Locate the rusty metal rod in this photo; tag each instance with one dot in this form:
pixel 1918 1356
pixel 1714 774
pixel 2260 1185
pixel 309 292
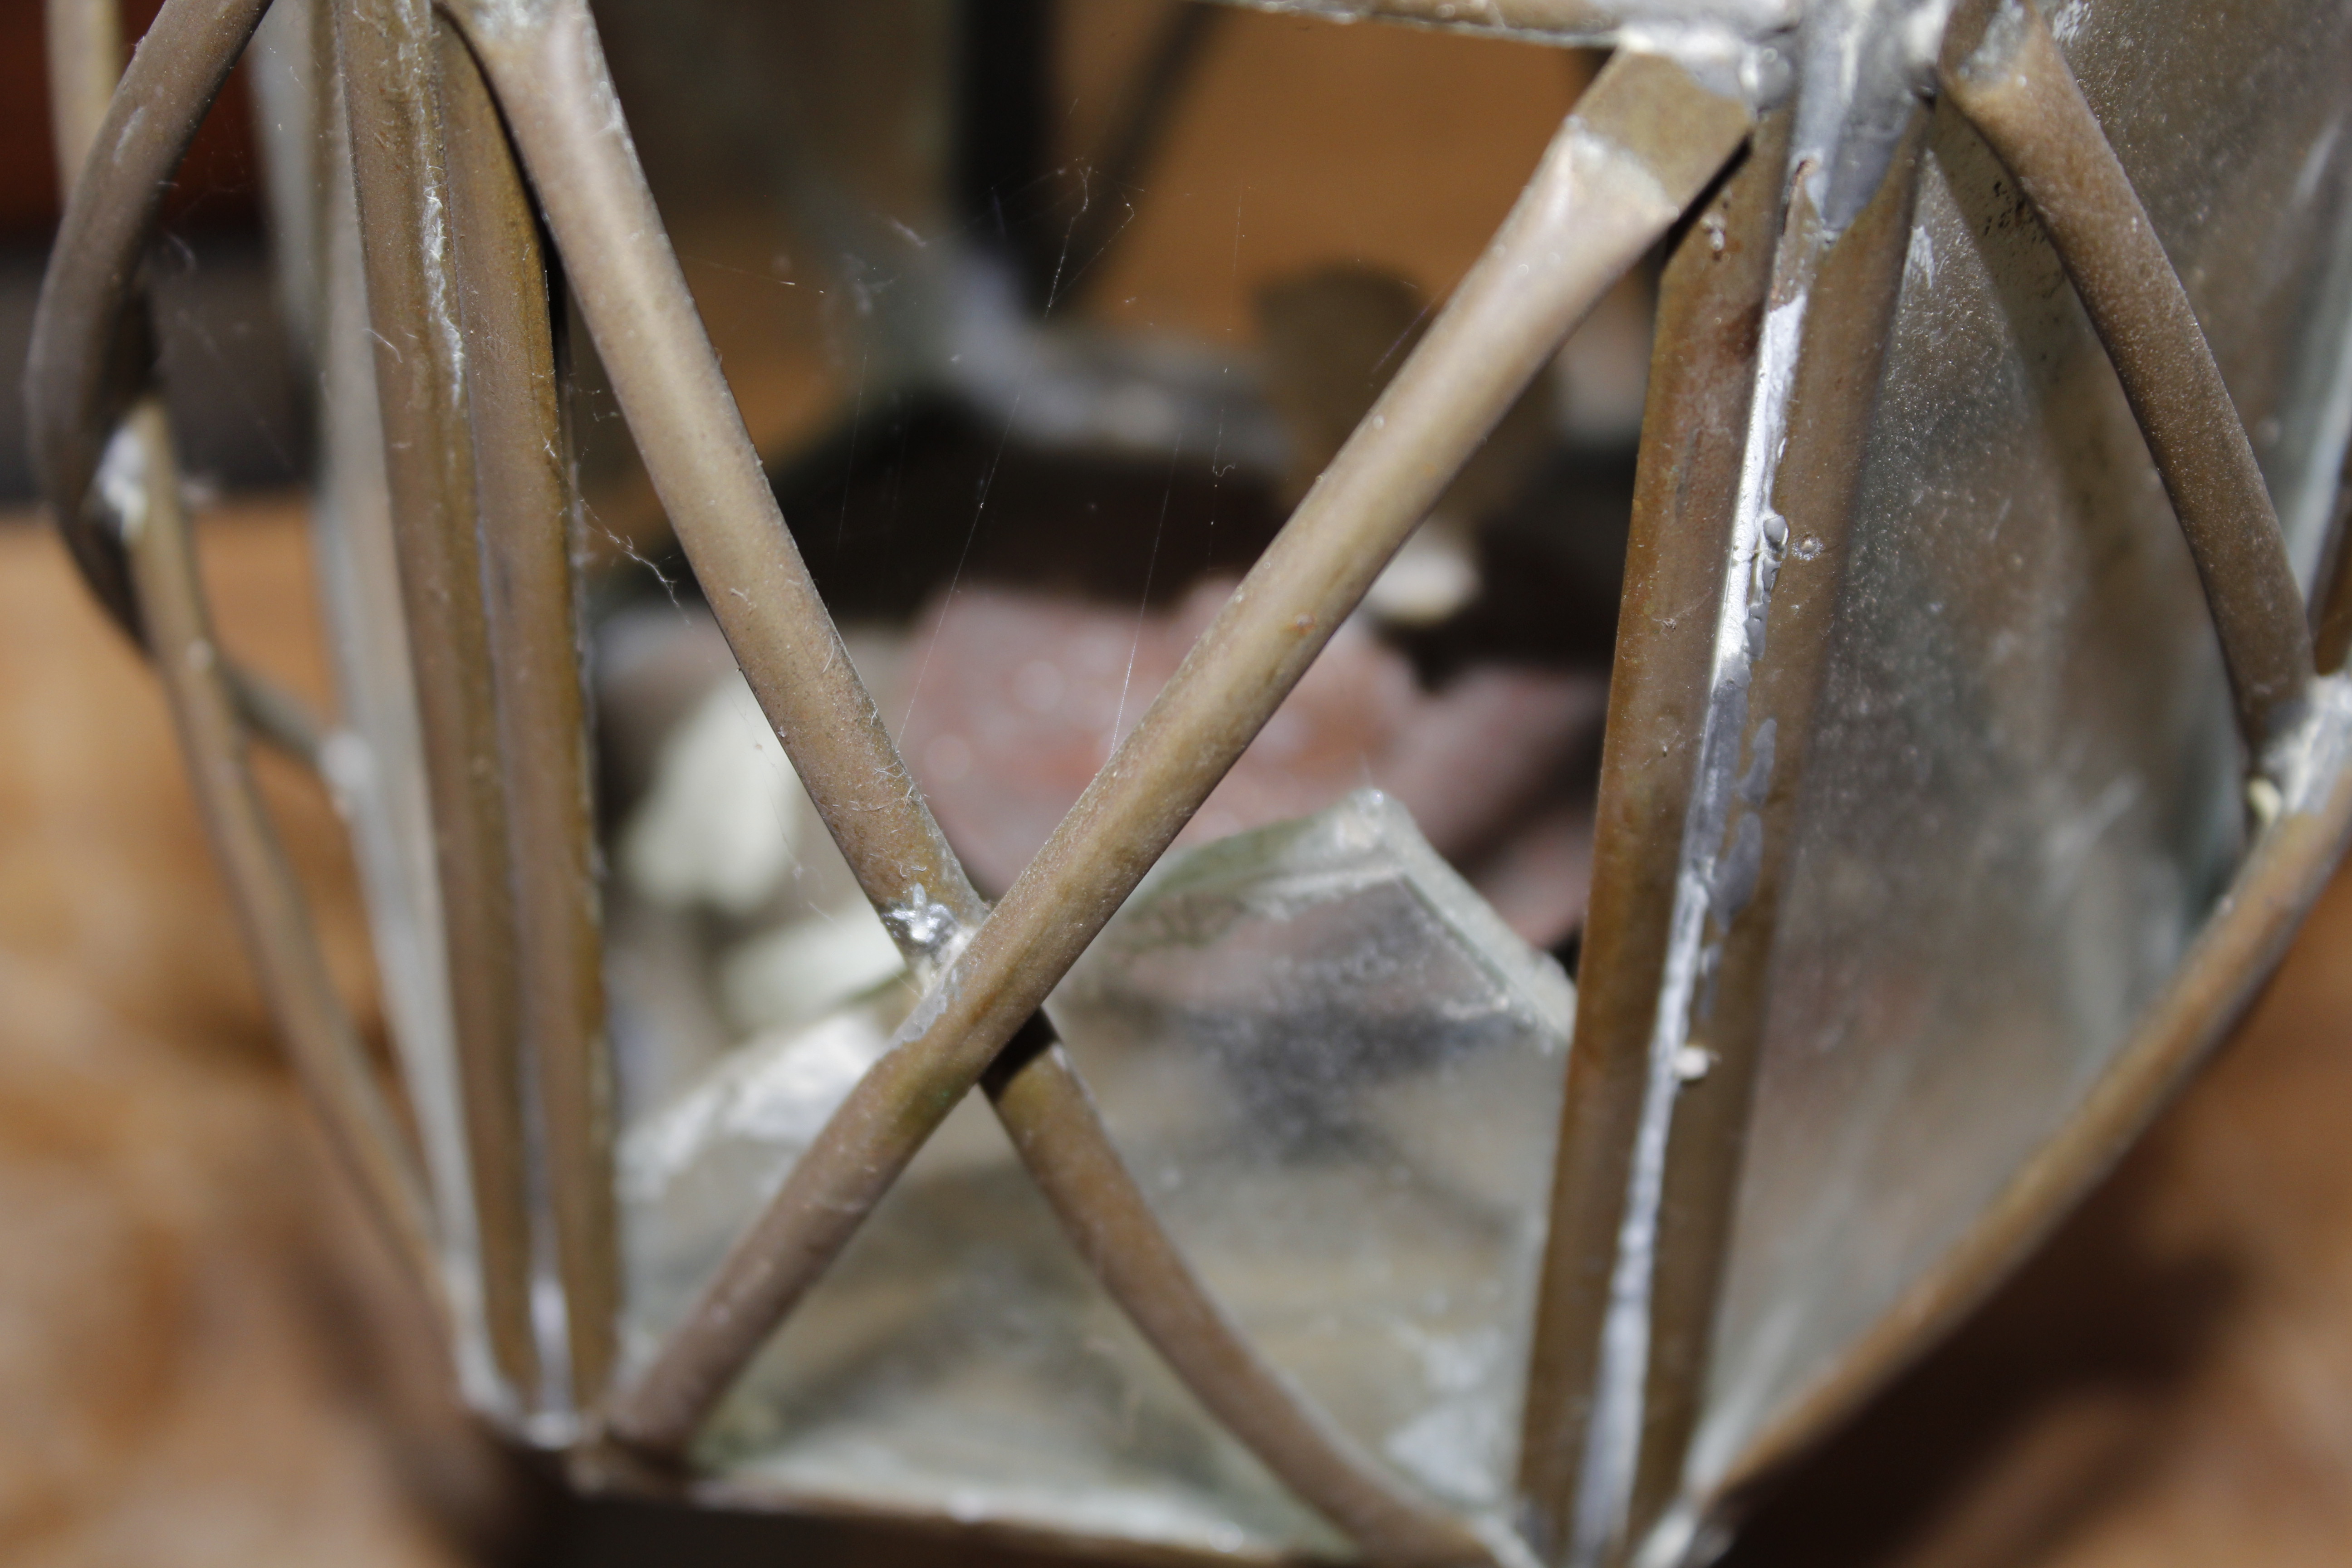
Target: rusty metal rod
pixel 2003 70
pixel 329 1057
pixel 523 480
pixel 1645 141
pixel 387 51
pixel 554 87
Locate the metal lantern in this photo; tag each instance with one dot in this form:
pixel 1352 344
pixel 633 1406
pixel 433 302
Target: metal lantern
pixel 1949 810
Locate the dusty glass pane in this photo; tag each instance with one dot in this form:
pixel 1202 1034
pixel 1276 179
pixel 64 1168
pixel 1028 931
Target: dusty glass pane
pixel 959 1358
pixel 1338 1074
pixel 2023 797
pixel 1289 1031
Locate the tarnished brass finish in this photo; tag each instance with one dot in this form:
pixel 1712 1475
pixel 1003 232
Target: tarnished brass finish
pixel 1830 407
pixel 1668 1044
pixel 387 49
pixel 86 356
pixel 1646 140
pixel 1710 312
pixel 671 389
pixel 138 520
pixel 2331 620
pixel 143 489
pixel 1044 1106
pixel 94 323
pixel 2003 70
pixel 523 480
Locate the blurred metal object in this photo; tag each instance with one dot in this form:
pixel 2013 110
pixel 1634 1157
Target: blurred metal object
pixel 1928 856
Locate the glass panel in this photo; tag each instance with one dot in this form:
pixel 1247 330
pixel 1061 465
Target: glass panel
pixel 2023 797
pixel 1288 1032
pixel 1338 1073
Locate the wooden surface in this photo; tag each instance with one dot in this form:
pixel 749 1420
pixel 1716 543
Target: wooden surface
pixel 204 1358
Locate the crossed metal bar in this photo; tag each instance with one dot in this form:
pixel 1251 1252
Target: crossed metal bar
pixel 472 122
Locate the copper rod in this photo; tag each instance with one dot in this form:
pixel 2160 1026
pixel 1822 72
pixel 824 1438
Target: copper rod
pixel 329 1057
pixel 636 303
pixel 1710 314
pixel 1644 142
pixel 385 48
pixel 523 480
pixel 2004 71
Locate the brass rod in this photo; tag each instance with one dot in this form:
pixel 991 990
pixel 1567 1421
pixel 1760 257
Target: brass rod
pixel 1710 314
pixel 523 480
pixel 1644 142
pixel 1578 21
pixel 1856 278
pixel 2331 594
pixel 385 48
pixel 273 715
pixel 669 385
pixel 2003 70
pixel 330 1060
pixel 87 358
pixel 1634 1264
pixel 547 70
pixel 90 339
pixel 214 702
pixel 84 45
